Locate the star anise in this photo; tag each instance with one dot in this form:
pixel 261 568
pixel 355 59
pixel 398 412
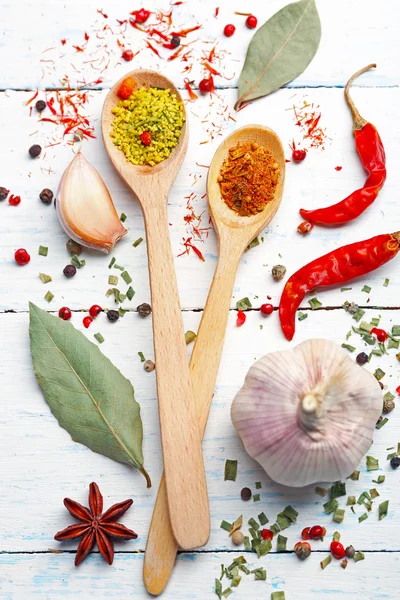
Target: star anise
pixel 95 526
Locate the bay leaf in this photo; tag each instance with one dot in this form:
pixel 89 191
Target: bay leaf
pixel 280 50
pixel 87 394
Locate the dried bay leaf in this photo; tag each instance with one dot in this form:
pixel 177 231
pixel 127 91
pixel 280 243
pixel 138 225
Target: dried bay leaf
pixel 280 50
pixel 87 394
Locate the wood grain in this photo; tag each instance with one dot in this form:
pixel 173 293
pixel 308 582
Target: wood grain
pixel 181 443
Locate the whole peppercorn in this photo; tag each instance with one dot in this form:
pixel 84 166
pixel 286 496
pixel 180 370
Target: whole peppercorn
pixel 305 534
pixel 237 538
pixel 127 55
pixel 175 41
pixel 87 321
pixel 40 105
pixel 395 462
pixel 112 315
pixel 388 405
pixel 266 534
pixel 21 256
pixel 362 358
pixel 65 313
pixel 350 551
pixel 35 150
pixel 278 272
pixel 317 532
pixel 267 309
pixel 46 196
pixel 229 30
pixel 246 494
pixel 95 310
pixel 302 550
pixel 69 271
pixel 337 550
pixel 149 366
pixel 3 193
pixel 146 138
pixel 73 248
pixel 251 22
pixel 144 310
pixel 206 85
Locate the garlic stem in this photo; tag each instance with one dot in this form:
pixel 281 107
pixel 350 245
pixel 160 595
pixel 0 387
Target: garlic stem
pixel 311 410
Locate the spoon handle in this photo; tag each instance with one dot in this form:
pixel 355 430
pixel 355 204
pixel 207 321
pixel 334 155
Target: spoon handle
pixel 181 441
pixel 161 546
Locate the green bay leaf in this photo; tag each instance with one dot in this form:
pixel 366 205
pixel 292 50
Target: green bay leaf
pixel 87 394
pixel 280 50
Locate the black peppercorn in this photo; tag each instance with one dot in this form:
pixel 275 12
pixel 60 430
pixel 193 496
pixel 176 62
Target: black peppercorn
pixel 69 271
pixel 246 494
pixel 46 196
pixel 175 41
pixel 3 193
pixel 302 550
pixel 73 248
pixel 35 150
pixel 144 310
pixel 362 358
pixel 278 272
pixel 395 462
pixel 388 405
pixel 149 366
pixel 350 551
pixel 40 105
pixel 112 315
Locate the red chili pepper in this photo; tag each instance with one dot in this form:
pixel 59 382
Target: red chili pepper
pixel 339 266
pixel 372 155
pixel 381 334
pixel 398 390
pixel 241 318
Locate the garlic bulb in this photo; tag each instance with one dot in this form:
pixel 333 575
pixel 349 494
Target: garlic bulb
pixel 85 208
pixel 308 414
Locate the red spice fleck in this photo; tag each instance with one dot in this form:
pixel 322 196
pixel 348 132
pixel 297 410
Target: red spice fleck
pixel 266 534
pixel 100 11
pixel 86 36
pixel 87 321
pixel 307 117
pixel 63 42
pixel 146 138
pixel 398 390
pixel 338 168
pixel 317 532
pixel 305 534
pixel 188 244
pixel 122 22
pixel 305 227
pixel 211 69
pixel 78 48
pixel 95 310
pixel 241 318
pixel 184 32
pixel 141 15
pixel 153 31
pixel 152 48
pixel 27 103
pixel 192 95
pixel 381 334
pixel 216 12
pixel 207 85
pixel 14 200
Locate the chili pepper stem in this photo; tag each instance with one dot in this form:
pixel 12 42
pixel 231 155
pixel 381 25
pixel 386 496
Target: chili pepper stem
pixel 396 235
pixel 358 121
pixel 147 477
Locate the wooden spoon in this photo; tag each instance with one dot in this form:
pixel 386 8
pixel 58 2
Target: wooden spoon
pixel 234 234
pixel 180 436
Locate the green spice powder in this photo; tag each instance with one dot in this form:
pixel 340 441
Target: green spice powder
pixel 152 110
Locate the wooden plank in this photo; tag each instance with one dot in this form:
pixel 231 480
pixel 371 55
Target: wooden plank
pixel 353 34
pixel 53 577
pixel 42 465
pixel 311 183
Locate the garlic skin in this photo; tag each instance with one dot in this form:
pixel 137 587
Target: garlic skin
pixel 307 415
pixel 85 208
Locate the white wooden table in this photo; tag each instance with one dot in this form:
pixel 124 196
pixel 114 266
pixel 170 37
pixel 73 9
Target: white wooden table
pixel 40 464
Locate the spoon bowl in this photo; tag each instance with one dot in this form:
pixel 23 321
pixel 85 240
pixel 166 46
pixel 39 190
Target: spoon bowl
pixel 180 438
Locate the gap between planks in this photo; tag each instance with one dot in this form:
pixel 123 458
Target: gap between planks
pixel 182 552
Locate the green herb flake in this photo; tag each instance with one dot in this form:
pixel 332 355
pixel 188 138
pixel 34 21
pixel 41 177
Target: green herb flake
pixel 263 548
pixel 137 242
pixel 359 556
pixel 363 517
pixel 119 267
pixel 366 289
pixel 355 476
pixel 99 337
pixel 301 316
pixel 253 523
pixel 393 344
pixel 290 513
pixel 45 278
pixel 142 358
pixel 246 542
pixel 386 282
pixel 321 491
pixel 348 347
pixel 123 217
pixel 331 506
pixel 113 280
pixel 338 517
pixel 396 330
pixel 351 500
pixel 130 293
pixel 122 311
pixel 375 321
pixel 190 336
pixel 262 517
pixel 338 489
pixel 112 261
pixel 380 479
pixel 275 528
pixel 345 289
pixel 336 536
pixel 383 509
pixel 243 304
pixel 260 574
pixel 43 251
pixel 126 277
pixel 230 470
pixel 77 262
pixel 324 563
pixel 236 580
pixel 358 315
pixel 281 543
pixel 391 455
pixel 253 244
pixel 258 485
pixel 380 424
pixel 379 374
pixel 372 463
pixel 374 493
pixel 256 498
pixel 225 525
pixel 49 296
pixel 218 588
pixel 278 596
pixel 376 352
pixel 227 592
pixel 314 303
pixel 254 534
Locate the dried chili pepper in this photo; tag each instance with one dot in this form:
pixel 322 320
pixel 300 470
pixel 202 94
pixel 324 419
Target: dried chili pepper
pixel 372 154
pixel 339 266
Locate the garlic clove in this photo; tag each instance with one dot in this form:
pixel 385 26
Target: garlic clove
pixel 308 414
pixel 85 208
